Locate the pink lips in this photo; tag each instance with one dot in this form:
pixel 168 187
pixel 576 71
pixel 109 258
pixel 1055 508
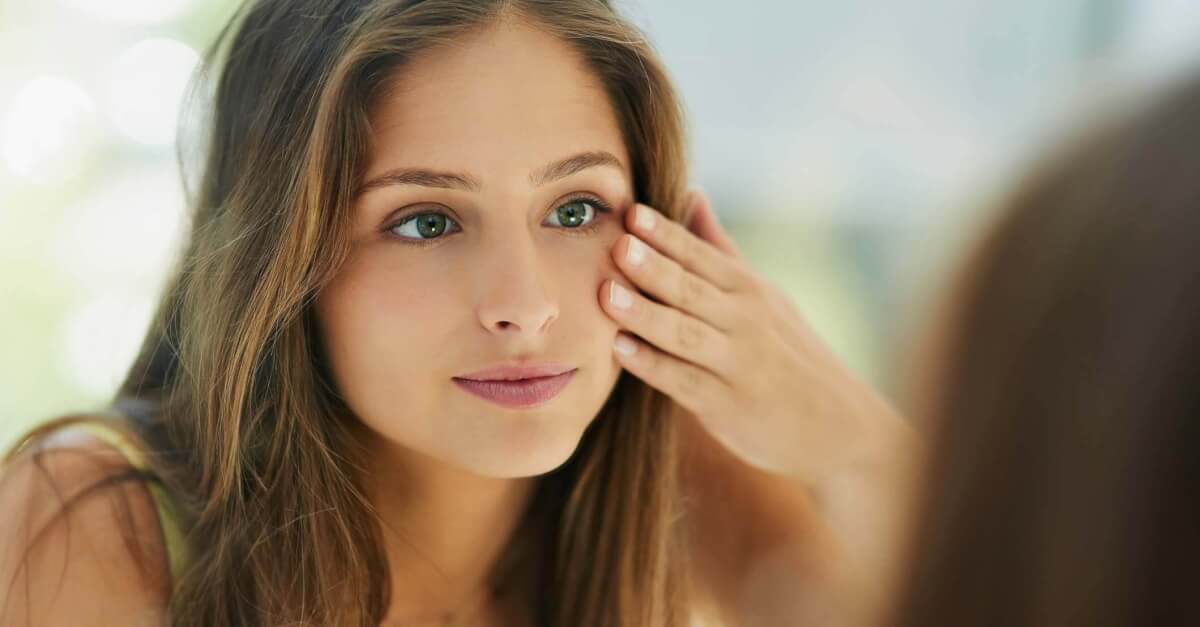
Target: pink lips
pixel 518 386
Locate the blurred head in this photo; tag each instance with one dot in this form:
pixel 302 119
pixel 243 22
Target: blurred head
pixel 324 294
pixel 1064 407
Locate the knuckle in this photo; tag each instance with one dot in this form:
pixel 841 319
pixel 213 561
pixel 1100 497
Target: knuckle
pixel 687 249
pixel 690 289
pixel 690 381
pixel 690 333
pixel 647 315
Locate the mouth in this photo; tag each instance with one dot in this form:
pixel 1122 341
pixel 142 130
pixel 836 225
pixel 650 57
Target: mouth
pixel 519 393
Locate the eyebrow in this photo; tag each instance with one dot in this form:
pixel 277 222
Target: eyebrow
pixel 549 173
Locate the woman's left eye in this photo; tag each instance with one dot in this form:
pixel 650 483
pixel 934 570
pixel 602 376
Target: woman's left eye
pixel 577 213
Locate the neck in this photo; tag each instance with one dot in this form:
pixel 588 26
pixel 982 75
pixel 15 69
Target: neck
pixel 444 530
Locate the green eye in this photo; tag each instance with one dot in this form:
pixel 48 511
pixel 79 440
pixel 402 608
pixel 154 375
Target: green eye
pixel 572 214
pixel 427 226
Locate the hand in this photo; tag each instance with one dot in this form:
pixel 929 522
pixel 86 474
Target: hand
pixel 727 347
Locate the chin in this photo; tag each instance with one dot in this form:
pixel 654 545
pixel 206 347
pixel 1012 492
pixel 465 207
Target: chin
pixel 526 449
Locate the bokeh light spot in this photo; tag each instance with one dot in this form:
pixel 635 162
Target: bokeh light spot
pixel 147 88
pixel 49 130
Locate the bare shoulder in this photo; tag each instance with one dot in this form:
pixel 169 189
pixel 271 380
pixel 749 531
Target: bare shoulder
pixel 81 542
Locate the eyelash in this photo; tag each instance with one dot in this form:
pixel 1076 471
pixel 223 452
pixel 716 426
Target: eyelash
pixel 600 207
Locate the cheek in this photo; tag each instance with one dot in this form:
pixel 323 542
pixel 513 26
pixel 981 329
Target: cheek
pixel 580 271
pixel 377 322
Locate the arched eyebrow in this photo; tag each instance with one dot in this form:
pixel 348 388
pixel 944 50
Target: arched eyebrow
pixel 553 171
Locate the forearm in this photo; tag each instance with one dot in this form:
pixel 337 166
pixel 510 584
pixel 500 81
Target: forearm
pixel 825 540
pixel 861 494
pixel 865 500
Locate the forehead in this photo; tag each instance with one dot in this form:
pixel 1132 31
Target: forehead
pixel 508 97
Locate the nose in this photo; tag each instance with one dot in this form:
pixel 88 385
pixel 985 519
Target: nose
pixel 515 297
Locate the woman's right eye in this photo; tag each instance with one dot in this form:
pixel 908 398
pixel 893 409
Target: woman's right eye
pixel 423 226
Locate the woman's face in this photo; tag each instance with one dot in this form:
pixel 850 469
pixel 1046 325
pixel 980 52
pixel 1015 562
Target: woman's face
pixel 509 275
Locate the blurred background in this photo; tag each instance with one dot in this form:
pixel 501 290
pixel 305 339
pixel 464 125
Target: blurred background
pixel 852 147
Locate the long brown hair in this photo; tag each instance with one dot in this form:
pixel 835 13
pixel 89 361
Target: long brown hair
pixel 1066 452
pixel 231 395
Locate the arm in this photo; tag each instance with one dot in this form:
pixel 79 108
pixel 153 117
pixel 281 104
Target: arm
pixel 788 547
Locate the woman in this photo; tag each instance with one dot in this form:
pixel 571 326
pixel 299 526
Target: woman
pixel 1065 464
pixel 405 204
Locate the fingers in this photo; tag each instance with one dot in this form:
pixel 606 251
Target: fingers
pixel 669 329
pixel 690 251
pixel 692 387
pixel 666 280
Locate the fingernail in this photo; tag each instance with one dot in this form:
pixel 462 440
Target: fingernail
pixel 635 253
pixel 619 296
pixel 644 218
pixel 624 345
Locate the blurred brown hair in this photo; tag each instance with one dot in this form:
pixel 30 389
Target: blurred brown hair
pixel 1065 463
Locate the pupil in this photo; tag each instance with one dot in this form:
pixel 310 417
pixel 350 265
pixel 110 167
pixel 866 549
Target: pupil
pixel 431 225
pixel 569 214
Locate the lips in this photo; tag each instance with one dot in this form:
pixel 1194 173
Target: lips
pixel 518 392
